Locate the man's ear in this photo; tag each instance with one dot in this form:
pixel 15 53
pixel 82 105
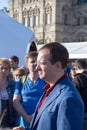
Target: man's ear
pixel 58 64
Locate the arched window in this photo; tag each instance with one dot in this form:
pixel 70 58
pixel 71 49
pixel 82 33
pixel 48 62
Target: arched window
pixel 66 15
pixel 36 16
pixel 30 17
pixel 25 20
pixel 33 47
pixel 48 14
pixel 65 19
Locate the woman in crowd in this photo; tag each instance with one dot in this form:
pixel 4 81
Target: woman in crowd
pixel 18 72
pixel 7 86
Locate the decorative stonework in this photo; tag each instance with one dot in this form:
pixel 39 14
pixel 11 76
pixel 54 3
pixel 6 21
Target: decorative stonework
pixel 52 20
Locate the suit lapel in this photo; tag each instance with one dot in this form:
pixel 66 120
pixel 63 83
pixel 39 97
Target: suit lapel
pixel 54 94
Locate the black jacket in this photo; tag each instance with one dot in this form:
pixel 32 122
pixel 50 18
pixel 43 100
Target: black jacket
pixel 80 81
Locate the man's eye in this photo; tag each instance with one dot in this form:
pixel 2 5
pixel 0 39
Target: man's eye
pixel 41 63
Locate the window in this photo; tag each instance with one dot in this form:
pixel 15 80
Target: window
pixel 36 16
pixel 30 21
pixel 65 19
pixel 85 20
pixel 47 18
pixel 36 20
pixel 25 18
pixel 66 15
pixel 78 21
pixel 26 22
pixel 30 17
pixel 48 14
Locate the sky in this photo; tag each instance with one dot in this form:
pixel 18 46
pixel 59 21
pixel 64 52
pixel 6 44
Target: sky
pixel 3 3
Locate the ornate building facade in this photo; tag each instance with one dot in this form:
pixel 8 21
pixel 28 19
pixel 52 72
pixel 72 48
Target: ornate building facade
pixel 52 20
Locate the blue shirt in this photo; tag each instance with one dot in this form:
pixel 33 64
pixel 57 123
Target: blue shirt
pixel 30 94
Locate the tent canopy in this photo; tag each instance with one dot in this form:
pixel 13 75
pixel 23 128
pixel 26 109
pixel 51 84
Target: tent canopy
pixel 76 50
pixel 14 38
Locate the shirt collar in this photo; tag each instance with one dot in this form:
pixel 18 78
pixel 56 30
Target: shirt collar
pixel 47 87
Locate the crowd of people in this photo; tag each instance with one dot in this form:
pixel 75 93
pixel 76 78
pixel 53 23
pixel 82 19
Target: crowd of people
pixel 46 94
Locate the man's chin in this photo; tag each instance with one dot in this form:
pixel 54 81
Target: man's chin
pixel 41 77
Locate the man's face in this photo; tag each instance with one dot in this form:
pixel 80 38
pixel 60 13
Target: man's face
pixel 44 66
pixel 13 63
pixel 32 63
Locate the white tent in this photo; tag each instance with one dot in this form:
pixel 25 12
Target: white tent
pixel 76 50
pixel 14 38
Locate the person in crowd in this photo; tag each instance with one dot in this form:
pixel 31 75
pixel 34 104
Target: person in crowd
pixel 72 71
pixel 7 87
pixel 14 62
pixel 28 92
pixel 80 81
pixel 18 73
pixel 26 69
pixel 68 70
pixel 61 106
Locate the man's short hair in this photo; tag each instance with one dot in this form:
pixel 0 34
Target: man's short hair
pixel 57 53
pixel 81 63
pixel 30 55
pixel 15 58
